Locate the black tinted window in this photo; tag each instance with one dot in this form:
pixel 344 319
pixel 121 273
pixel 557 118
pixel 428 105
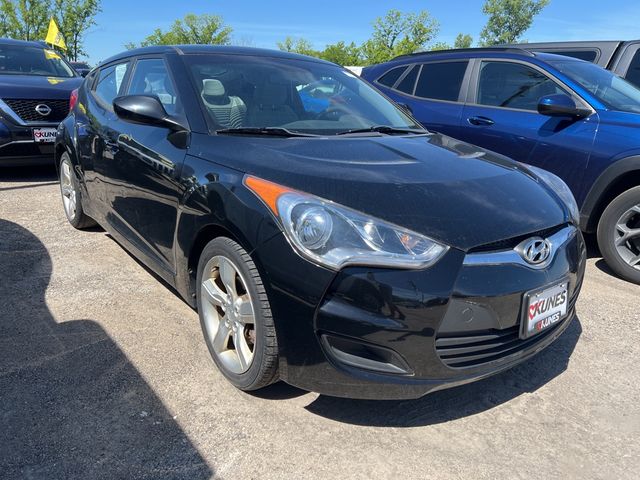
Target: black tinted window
pixel 408 82
pixel 151 77
pixel 633 74
pixel 109 83
pixel 586 55
pixel 441 81
pixel 513 85
pixel 19 60
pixel 389 79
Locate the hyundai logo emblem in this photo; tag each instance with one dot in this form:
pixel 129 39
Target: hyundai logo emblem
pixel 535 251
pixel 43 109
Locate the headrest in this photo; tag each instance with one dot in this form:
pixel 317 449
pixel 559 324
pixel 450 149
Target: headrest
pixel 212 87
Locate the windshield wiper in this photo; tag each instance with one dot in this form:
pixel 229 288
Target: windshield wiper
pixel 273 131
pixel 385 129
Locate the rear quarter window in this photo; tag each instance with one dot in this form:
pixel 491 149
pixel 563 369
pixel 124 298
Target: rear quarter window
pixel 390 78
pixel 633 73
pixel 586 55
pixel 409 81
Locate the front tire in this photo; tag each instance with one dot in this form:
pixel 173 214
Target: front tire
pixel 235 315
pixel 71 195
pixel 619 235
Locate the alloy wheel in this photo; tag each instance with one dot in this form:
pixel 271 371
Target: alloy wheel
pixel 67 186
pixel 229 318
pixel 627 240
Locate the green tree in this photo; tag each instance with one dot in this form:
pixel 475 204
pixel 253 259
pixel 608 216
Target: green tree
pixel 399 33
pixel 24 19
pixel 74 18
pixel 508 19
pixel 463 41
pixel 192 29
pixel 440 46
pixel 297 45
pixel 342 54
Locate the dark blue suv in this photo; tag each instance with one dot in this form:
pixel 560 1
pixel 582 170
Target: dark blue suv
pixel 567 116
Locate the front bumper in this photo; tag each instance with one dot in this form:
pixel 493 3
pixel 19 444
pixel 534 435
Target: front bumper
pixel 390 334
pixel 18 147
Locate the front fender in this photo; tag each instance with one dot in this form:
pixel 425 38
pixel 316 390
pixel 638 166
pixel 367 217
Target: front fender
pixel 216 202
pixel 614 173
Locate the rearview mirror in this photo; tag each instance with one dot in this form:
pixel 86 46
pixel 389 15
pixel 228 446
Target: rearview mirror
pixel 561 105
pixel 146 110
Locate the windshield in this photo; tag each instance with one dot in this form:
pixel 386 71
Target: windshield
pixel 241 91
pixel 20 60
pixel 613 91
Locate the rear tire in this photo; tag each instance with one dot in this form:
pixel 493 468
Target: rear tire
pixel 235 316
pixel 72 196
pixel 619 235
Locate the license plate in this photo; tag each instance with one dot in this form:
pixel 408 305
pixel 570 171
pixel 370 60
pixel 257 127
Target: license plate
pixel 44 135
pixel 545 308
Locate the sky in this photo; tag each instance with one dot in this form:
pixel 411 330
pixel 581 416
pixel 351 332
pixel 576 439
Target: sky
pixel 263 23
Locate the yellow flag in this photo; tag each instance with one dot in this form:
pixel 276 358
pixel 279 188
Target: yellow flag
pixel 54 37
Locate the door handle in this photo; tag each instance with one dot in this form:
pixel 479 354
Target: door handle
pixel 480 121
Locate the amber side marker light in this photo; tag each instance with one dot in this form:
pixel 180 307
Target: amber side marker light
pixel 266 191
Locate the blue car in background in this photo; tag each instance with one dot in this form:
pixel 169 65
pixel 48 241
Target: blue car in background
pixel 568 116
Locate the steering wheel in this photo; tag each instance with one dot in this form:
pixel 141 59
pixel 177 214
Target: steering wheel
pixel 333 113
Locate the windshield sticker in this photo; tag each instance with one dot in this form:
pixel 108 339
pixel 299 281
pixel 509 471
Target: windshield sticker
pixel 50 55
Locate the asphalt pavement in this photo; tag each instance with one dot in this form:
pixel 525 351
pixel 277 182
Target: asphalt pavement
pixel 104 374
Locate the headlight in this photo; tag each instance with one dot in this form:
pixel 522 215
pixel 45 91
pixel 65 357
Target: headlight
pixel 334 236
pixel 561 189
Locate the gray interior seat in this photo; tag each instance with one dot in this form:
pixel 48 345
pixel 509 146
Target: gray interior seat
pixel 271 107
pixel 227 111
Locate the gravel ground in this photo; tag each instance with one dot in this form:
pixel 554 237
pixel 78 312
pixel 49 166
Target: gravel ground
pixel 104 374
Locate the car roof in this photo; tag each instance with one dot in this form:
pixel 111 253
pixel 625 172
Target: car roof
pixel 212 49
pixel 23 43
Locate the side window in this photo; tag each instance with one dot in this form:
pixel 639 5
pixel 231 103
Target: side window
pixel 408 82
pixel 441 81
pixel 151 77
pixel 513 85
pixel 586 55
pixel 633 73
pixel 109 83
pixel 390 78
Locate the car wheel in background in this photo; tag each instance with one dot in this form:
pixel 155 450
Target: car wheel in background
pixel 619 235
pixel 71 195
pixel 235 315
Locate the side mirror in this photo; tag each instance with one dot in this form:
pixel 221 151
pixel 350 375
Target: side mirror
pixel 406 108
pixel 561 105
pixel 146 110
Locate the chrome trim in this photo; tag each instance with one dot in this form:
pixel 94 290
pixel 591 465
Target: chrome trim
pixel 16 141
pixel 512 257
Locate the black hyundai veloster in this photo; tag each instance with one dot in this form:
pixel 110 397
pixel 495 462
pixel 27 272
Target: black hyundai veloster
pixel 324 237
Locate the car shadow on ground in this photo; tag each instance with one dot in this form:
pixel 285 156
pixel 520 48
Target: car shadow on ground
pixel 455 403
pixel 73 405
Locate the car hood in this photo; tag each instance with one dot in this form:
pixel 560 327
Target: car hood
pixel 449 190
pixel 37 87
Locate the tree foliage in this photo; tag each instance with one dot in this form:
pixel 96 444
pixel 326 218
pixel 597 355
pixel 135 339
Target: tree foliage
pixel 24 19
pixel 463 41
pixel 298 45
pixel 342 53
pixel 509 19
pixel 74 18
pixel 29 20
pixel 192 29
pixel 399 33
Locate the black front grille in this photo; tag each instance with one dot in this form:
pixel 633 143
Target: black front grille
pixel 26 109
pixel 474 349
pixel 515 241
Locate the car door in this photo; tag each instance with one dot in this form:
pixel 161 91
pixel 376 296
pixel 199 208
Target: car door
pixel 501 115
pixel 144 188
pixel 434 91
pixel 94 130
